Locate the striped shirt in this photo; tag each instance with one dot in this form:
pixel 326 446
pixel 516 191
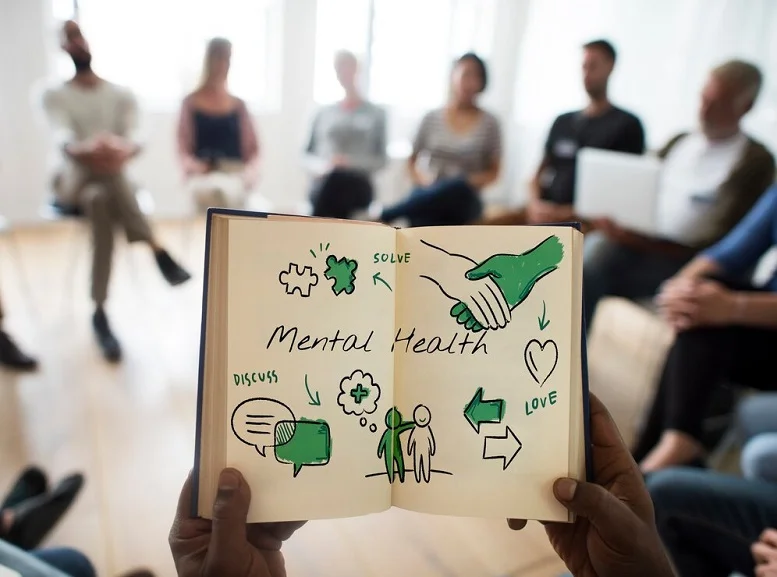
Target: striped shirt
pixel 448 154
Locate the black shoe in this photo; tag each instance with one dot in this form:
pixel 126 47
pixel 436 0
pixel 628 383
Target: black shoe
pixel 108 344
pixel 31 483
pixel 171 270
pixel 12 357
pixel 34 518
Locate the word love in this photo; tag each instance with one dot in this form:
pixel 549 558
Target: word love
pixel 249 379
pixel 392 258
pixel 541 402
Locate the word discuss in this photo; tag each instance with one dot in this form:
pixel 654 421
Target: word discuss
pixel 249 379
pixel 541 402
pixel 352 342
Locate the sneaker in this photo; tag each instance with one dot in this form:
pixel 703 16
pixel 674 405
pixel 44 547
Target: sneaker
pixel 109 346
pixel 31 483
pixel 171 270
pixel 12 357
pixel 34 518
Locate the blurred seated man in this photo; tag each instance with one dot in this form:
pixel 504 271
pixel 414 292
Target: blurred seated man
pixel 711 177
pixel 726 333
pixel 96 122
pixel 714 524
pixel 11 356
pixel 599 125
pixel 217 141
pixel 347 147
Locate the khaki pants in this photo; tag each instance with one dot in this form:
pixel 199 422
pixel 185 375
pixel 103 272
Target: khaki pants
pixel 107 201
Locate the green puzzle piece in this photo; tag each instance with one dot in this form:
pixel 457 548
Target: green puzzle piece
pixel 343 272
pixel 514 274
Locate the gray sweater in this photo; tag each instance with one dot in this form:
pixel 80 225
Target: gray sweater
pixel 358 134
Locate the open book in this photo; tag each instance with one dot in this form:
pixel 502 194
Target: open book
pixel 349 367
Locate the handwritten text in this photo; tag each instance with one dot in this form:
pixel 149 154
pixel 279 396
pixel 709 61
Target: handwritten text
pixel 454 345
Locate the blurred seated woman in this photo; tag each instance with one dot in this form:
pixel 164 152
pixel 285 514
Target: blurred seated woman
pixel 456 154
pixel 217 143
pixel 347 147
pixel 726 332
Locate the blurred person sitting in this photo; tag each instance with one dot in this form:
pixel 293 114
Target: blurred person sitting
pixel 456 154
pixel 710 178
pixel 715 524
pixel 726 332
pixel 347 147
pixel 96 122
pixel 600 124
pixel 217 143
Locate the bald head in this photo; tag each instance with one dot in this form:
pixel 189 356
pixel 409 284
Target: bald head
pixel 74 43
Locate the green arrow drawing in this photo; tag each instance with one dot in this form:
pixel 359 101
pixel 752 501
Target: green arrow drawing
pixel 376 278
pixel 541 321
pixel 479 411
pixel 315 401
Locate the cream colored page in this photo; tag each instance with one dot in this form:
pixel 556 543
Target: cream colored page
pixel 487 412
pixel 310 368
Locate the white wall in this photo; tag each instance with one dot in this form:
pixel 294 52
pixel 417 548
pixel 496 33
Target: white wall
pixel 29 40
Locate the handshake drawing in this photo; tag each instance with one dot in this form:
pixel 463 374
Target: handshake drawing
pixel 486 293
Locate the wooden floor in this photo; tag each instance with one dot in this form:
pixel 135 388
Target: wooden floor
pixel 130 428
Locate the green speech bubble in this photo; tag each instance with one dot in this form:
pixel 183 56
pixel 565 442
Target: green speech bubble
pixel 303 443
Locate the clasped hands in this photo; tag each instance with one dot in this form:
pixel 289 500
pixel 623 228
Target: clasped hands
pixel 105 154
pixel 686 303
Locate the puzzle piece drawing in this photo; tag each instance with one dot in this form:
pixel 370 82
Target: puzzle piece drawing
pixel 343 274
pixel 299 281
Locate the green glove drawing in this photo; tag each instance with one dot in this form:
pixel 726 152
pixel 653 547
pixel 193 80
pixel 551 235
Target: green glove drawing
pixel 514 274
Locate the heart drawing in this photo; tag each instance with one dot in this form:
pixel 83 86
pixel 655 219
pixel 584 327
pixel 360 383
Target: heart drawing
pixel 541 359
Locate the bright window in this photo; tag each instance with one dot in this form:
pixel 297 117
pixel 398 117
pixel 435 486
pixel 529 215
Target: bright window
pixel 156 47
pixel 406 46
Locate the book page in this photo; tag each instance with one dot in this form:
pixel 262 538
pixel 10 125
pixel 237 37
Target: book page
pixel 483 356
pixel 310 369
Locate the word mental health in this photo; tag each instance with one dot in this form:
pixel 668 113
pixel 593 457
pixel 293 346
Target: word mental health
pixel 407 341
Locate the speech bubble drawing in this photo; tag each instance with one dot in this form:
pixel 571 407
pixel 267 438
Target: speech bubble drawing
pixel 303 443
pixel 359 394
pixel 254 422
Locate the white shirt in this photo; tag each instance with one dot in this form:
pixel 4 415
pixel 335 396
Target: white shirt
pixel 692 173
pixel 78 113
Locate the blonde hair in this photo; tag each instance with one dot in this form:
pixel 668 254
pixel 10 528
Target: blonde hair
pixel 744 77
pixel 216 47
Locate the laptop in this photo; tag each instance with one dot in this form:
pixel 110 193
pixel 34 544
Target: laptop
pixel 619 186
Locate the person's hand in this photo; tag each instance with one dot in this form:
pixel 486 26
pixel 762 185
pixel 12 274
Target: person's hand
pixel 196 167
pixel 765 554
pixel 338 161
pixel 539 211
pixel 689 303
pixel 227 546
pixel 478 300
pixel 614 533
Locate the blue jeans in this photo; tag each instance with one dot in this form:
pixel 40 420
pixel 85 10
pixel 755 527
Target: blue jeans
pixel 709 520
pixel 757 422
pixel 444 203
pixel 612 269
pixel 69 561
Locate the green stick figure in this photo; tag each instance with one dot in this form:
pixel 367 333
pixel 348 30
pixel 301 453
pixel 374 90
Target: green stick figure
pixel 390 446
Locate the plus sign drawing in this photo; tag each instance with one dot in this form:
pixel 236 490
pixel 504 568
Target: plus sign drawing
pixel 359 394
